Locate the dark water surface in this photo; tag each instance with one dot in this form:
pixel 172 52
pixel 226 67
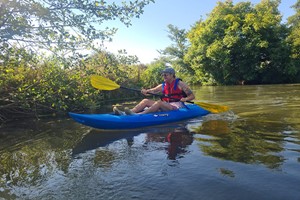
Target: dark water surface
pixel 251 152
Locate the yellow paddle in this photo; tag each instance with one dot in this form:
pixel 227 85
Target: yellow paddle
pixel 103 83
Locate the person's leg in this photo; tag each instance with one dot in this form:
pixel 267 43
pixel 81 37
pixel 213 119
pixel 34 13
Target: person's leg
pixel 158 105
pixel 117 111
pixel 142 105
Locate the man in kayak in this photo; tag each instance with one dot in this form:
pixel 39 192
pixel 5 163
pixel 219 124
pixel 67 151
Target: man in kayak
pixel 174 93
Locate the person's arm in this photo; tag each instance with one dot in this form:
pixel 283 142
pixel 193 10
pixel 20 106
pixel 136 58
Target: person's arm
pixel 184 87
pixel 154 90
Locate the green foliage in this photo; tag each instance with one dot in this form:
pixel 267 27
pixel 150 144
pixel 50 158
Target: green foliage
pixel 152 75
pixel 33 83
pixel 62 25
pixel 178 49
pixel 115 67
pixel 294 40
pixel 294 36
pixel 44 85
pixel 175 53
pixel 41 87
pixel 241 43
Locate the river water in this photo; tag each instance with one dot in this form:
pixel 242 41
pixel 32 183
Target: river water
pixel 250 152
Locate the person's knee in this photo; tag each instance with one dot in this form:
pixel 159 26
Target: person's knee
pixel 158 103
pixel 145 100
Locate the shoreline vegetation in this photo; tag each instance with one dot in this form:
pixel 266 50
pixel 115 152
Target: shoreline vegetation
pixel 236 44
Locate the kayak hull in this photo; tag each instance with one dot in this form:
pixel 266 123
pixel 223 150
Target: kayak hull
pixel 111 121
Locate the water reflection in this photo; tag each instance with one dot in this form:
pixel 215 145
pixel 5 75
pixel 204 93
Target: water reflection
pixel 45 152
pixel 242 141
pixel 174 140
pixel 95 139
pixel 34 153
pixel 51 151
pixel 178 141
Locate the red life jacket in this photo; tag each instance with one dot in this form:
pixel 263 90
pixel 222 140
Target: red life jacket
pixel 172 92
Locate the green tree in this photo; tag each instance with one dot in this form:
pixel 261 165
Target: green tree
pixel 57 25
pixel 151 77
pixel 175 52
pixel 240 43
pixel 294 39
pixel 35 88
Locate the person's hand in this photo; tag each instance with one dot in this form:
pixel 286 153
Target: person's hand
pixel 183 99
pixel 144 92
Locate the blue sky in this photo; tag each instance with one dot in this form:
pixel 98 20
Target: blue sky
pixel 149 32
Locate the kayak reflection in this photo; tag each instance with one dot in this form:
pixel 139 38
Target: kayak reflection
pixel 174 140
pixel 95 139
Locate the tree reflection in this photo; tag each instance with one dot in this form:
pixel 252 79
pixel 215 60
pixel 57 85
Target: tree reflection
pixel 41 151
pixel 240 142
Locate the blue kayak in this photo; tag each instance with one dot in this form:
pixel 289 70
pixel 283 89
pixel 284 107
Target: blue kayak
pixel 112 121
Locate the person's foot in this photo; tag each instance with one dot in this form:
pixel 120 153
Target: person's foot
pixel 117 111
pixel 129 112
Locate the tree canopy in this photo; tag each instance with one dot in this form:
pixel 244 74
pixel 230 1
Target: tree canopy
pixel 62 25
pixel 294 36
pixel 241 43
pixel 175 53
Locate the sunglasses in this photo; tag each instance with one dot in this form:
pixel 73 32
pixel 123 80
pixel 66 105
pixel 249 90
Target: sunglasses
pixel 165 74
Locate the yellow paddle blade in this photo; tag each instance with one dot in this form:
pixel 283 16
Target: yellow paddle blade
pixel 213 108
pixel 103 83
